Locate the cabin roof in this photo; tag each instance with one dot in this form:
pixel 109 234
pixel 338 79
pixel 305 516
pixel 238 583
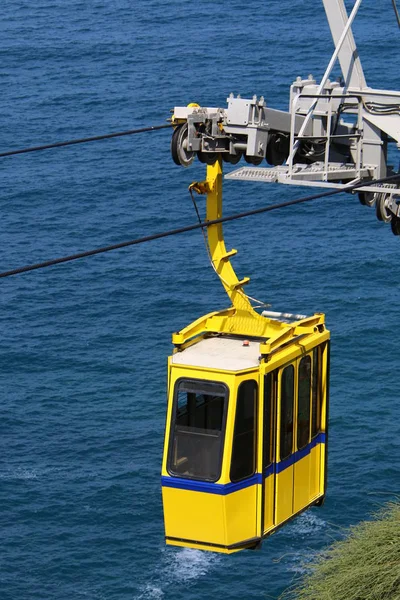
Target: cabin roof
pixel 225 353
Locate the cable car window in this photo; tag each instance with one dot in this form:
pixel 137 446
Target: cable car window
pixel 244 438
pixel 303 408
pixel 287 397
pixel 316 392
pixel 269 398
pixel 198 428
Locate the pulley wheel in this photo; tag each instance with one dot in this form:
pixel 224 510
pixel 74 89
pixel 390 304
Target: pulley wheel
pixel 253 160
pixel 180 153
pixel 208 158
pixel 395 225
pixel 382 212
pixel 232 159
pixel 367 198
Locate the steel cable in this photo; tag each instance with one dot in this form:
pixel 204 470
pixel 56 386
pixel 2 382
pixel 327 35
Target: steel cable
pixel 95 138
pixel 179 230
pixel 396 12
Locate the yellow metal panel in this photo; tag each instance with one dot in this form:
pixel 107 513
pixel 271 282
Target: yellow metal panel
pixel 315 471
pixel 196 516
pixel 171 384
pixel 289 353
pixel 269 500
pixel 209 373
pixel 302 473
pixel 322 468
pixel 241 515
pixel 284 495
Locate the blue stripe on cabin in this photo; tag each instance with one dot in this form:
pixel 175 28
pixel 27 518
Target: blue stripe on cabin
pixel 223 489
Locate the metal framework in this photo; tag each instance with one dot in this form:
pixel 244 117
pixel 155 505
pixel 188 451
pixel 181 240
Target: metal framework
pixel 334 133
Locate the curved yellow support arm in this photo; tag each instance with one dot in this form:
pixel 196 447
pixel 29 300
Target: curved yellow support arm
pixel 240 318
pixel 220 258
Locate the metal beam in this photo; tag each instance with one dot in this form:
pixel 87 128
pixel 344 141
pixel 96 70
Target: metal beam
pixel 348 56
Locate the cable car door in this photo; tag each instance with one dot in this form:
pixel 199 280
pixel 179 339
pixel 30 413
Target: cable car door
pixel 304 468
pixel 319 393
pixel 268 450
pixel 284 479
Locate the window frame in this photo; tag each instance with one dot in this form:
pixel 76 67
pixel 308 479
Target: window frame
pixel 282 370
pixel 173 423
pixel 271 437
pixel 320 351
pixel 310 357
pixel 255 428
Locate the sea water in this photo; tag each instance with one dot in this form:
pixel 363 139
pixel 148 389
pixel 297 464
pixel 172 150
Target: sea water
pixel 84 345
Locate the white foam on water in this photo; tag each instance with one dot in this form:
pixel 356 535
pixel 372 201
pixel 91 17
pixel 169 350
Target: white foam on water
pixel 298 562
pixel 177 567
pixel 188 564
pixel 307 524
pixel 93 595
pixel 152 592
pixel 20 473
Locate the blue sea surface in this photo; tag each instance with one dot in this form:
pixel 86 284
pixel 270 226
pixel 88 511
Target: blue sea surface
pixel 84 345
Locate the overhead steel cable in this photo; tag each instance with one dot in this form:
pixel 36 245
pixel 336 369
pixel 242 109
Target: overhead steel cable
pixel 201 225
pixel 396 12
pixel 95 138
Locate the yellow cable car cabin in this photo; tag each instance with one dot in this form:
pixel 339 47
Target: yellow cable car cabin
pixel 245 443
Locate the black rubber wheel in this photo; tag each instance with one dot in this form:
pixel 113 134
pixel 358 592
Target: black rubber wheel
pixel 232 159
pixel 395 225
pixel 277 149
pixel 207 158
pixel 382 212
pixel 202 157
pixel 253 160
pixel 367 198
pixel 180 155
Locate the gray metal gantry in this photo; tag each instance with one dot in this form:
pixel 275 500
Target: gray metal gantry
pixel 335 133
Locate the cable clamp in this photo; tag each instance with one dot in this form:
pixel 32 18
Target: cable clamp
pixel 201 187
